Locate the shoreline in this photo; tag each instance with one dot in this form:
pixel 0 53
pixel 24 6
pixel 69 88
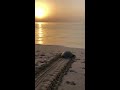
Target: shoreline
pixel 59 46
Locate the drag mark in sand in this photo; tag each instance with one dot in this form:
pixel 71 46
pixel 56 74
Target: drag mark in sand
pixel 52 75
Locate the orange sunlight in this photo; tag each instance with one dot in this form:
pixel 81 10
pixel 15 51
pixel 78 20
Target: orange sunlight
pixel 41 10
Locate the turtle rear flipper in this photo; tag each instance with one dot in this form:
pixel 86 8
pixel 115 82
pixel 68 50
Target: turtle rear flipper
pixel 74 56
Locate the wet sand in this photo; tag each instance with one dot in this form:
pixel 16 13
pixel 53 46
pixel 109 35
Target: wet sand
pixel 75 78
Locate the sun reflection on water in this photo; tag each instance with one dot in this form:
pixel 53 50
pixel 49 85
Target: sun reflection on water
pixel 39 34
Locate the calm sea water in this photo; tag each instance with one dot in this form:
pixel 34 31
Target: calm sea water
pixel 59 33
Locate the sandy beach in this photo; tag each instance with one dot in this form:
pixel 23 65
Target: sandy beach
pixel 75 77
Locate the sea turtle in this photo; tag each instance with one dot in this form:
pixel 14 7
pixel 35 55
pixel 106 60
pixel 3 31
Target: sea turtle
pixel 67 54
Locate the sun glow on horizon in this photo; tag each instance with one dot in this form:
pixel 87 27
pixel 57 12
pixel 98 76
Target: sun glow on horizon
pixel 41 10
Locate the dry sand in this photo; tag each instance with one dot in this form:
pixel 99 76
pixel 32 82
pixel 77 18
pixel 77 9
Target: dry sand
pixel 75 78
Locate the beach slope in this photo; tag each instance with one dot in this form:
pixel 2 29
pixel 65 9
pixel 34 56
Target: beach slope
pixel 75 77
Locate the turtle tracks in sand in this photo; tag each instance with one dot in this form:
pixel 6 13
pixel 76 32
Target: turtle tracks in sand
pixel 50 77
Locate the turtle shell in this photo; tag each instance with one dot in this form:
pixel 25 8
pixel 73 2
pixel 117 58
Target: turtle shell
pixel 67 54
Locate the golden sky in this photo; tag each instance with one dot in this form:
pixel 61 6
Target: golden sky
pixel 59 10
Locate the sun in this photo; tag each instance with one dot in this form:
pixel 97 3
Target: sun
pixel 40 12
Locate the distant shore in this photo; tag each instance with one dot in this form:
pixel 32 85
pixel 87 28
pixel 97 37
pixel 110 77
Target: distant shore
pixel 75 78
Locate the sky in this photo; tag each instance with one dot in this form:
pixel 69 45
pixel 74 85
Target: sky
pixel 62 10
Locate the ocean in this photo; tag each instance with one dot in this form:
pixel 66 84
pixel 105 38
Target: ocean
pixel 60 33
